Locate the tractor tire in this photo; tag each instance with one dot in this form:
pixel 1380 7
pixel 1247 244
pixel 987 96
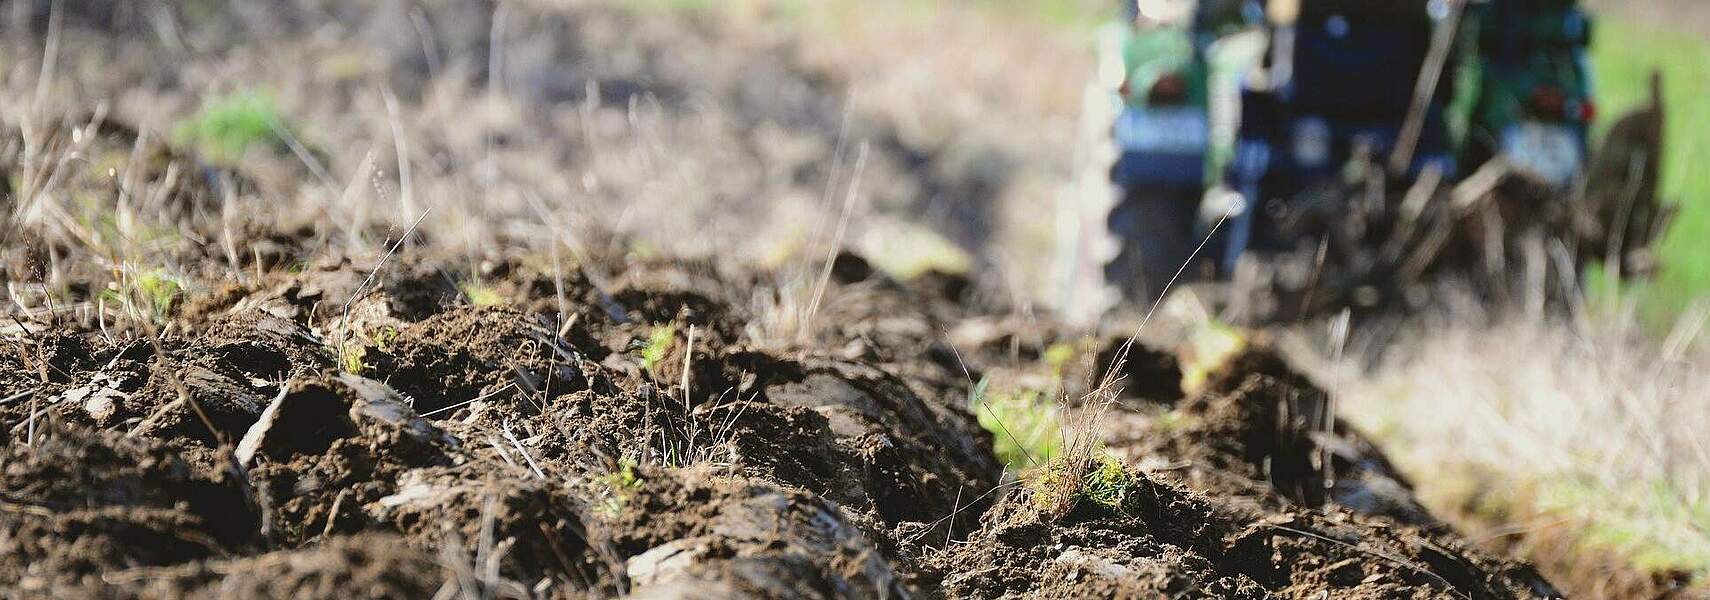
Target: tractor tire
pixel 1154 230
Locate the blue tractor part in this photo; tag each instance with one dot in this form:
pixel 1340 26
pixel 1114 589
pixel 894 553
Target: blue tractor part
pixel 1339 79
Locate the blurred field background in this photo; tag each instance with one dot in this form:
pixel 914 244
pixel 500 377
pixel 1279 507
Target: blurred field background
pixel 1583 442
pixel 1626 52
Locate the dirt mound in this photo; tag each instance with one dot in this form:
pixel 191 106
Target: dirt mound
pixel 1236 493
pixel 80 503
pixel 1156 539
pixel 361 566
pixel 531 454
pixel 457 426
pixel 204 389
pixel 706 536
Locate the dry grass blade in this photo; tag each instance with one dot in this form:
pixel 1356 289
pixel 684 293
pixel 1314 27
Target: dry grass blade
pixel 16 397
pixel 977 393
pixel 512 438
pixel 1430 75
pixel 344 313
pixel 1339 330
pixel 975 502
pixel 689 419
pixel 50 57
pixel 400 144
pixel 824 280
pixel 452 407
pixel 1082 439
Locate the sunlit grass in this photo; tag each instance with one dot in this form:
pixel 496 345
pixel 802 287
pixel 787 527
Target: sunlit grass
pixel 229 126
pixel 1026 426
pixel 658 344
pixel 1597 429
pixel 480 294
pixel 1623 57
pixel 1105 482
pixel 1658 524
pixel 144 293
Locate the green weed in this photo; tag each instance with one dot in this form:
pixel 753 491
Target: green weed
pixel 147 294
pixel 619 486
pixel 658 344
pixel 480 294
pixel 384 337
pixel 1108 483
pixel 1026 426
pixel 353 358
pixel 229 126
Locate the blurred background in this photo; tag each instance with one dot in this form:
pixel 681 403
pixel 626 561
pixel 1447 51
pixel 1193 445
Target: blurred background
pixel 927 135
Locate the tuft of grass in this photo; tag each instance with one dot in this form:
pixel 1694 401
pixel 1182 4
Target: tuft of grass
pixel 480 294
pixel 1656 525
pixel 658 344
pixel 1027 426
pixel 1105 482
pixel 1602 430
pixel 618 487
pixel 384 337
pixel 353 354
pixel 229 126
pixel 353 358
pixel 146 294
pixel 1108 483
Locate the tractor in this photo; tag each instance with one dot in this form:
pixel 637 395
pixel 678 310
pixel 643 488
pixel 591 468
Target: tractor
pixel 1346 184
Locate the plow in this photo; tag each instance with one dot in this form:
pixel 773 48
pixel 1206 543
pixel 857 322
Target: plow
pixel 1368 245
pixel 1384 226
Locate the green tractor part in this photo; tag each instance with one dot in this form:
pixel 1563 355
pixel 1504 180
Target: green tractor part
pixel 1503 231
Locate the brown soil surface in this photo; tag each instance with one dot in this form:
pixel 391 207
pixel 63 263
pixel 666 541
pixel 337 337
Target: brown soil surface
pixel 302 434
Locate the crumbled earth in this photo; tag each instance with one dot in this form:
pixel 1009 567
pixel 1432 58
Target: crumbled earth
pixel 1233 492
pixel 514 450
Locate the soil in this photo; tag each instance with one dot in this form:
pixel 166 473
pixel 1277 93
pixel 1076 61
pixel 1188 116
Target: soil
pixel 513 450
pixel 326 421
